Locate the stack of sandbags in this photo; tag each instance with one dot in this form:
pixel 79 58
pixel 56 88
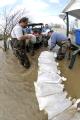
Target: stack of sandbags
pixel 72 113
pixel 49 88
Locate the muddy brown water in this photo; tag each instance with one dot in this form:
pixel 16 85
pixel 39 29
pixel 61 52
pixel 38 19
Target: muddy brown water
pixel 17 93
pixel 72 84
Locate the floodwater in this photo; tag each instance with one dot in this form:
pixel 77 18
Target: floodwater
pixel 72 85
pixel 17 93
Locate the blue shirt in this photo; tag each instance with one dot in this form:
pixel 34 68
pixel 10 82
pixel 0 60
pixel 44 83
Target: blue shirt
pixel 27 30
pixel 44 29
pixel 57 37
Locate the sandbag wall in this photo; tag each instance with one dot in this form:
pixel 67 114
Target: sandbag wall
pixel 49 89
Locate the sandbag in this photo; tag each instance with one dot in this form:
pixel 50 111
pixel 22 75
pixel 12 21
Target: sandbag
pixel 50 89
pixel 47 78
pixel 57 108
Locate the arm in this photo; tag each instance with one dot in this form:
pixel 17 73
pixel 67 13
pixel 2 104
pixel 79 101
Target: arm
pixel 24 37
pixel 19 34
pixel 52 42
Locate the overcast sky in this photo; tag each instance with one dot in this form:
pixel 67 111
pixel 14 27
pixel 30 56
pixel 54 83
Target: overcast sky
pixel 38 9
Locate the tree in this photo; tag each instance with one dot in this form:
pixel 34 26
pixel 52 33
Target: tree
pixel 9 20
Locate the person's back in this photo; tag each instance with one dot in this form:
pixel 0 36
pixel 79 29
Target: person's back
pixel 56 36
pixel 62 41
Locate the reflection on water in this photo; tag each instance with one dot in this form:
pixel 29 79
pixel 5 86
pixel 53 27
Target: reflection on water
pixel 17 95
pixel 73 83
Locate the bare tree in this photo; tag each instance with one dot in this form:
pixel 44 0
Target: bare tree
pixel 9 20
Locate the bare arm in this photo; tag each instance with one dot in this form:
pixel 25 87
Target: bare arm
pixel 24 37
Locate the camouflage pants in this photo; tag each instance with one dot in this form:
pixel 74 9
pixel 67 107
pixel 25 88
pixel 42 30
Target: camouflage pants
pixel 62 50
pixel 19 50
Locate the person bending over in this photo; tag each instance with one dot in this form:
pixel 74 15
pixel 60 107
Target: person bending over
pixel 61 40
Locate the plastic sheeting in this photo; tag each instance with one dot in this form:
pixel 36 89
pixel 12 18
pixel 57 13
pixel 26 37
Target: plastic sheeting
pixel 49 89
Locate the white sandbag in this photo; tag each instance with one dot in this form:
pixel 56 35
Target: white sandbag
pixel 57 108
pixel 48 68
pixel 48 89
pixel 46 61
pixel 76 116
pixel 47 78
pixel 47 54
pixel 68 114
pixel 49 74
pixel 49 100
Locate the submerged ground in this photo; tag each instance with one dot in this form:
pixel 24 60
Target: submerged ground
pixel 17 94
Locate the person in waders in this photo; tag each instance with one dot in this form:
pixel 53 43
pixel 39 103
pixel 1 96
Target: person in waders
pixel 18 42
pixel 62 41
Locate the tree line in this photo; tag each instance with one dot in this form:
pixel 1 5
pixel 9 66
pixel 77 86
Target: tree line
pixel 9 18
